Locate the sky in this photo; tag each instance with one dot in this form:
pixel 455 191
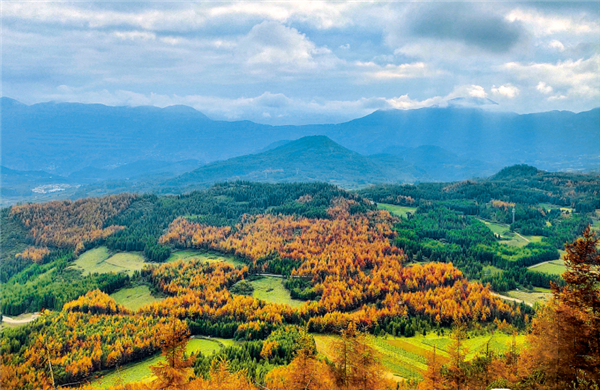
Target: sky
pixel 286 62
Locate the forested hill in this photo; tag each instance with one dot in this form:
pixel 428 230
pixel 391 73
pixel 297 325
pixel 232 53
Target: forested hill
pixel 520 184
pixel 62 137
pixel 309 159
pixel 440 256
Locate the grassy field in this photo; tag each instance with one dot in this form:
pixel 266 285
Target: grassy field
pixel 596 222
pixel 99 260
pixel 135 297
pixel 407 357
pixel 271 289
pixel 490 270
pixel 203 255
pixel 396 210
pixel 555 267
pixel 140 371
pixel 508 237
pixel 538 294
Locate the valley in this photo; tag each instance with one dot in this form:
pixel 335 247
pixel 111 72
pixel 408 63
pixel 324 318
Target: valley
pixel 252 268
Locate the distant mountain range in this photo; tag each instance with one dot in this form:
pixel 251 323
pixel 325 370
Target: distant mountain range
pixel 98 149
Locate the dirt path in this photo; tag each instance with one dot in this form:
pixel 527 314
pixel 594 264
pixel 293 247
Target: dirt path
pixel 511 299
pixel 522 237
pixel 537 265
pixel 21 321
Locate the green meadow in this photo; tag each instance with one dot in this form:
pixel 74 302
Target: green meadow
pixel 554 267
pixel 135 297
pixel 271 289
pixel 141 372
pixel 537 294
pixel 203 255
pixel 396 210
pixel 99 260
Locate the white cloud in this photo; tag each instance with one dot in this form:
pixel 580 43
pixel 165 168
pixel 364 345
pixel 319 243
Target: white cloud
pixel 267 107
pixel 543 88
pixel 556 44
pixel 476 91
pixel 403 71
pixel 552 24
pixel 134 35
pixel 184 17
pixel 273 43
pixel 579 79
pixel 507 90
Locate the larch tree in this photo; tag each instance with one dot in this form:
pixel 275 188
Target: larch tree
pixel 566 334
pixel 458 352
pixel 174 372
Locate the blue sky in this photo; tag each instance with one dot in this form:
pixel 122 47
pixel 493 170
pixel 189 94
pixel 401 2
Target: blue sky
pixel 284 62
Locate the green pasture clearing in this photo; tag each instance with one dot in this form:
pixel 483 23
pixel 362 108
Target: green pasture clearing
pixel 135 297
pixel 538 294
pixel 490 270
pixel 554 267
pixel 506 236
pixel 141 372
pixel 100 261
pixel 271 289
pixel 396 210
pixel 204 256
pixel 596 222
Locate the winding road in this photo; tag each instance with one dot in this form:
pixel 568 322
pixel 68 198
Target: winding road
pixel 13 321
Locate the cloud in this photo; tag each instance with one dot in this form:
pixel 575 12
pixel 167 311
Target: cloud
pixel 134 35
pixel 182 17
pixel 543 88
pixel 507 90
pixel 578 79
pixel 274 44
pixel 402 71
pixel 271 108
pixel 470 25
pixel 543 25
pixel 302 58
pixel 556 44
pixel 473 91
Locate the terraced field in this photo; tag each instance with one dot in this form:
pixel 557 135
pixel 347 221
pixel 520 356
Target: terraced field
pixel 141 372
pixel 407 357
pixel 101 261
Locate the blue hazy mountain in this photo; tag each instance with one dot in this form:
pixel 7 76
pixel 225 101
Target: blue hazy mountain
pixel 63 138
pixel 308 159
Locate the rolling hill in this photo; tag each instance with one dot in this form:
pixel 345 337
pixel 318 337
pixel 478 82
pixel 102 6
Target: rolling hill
pixel 309 159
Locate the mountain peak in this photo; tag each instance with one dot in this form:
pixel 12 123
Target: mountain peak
pixel 516 171
pixel 6 102
pixel 182 109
